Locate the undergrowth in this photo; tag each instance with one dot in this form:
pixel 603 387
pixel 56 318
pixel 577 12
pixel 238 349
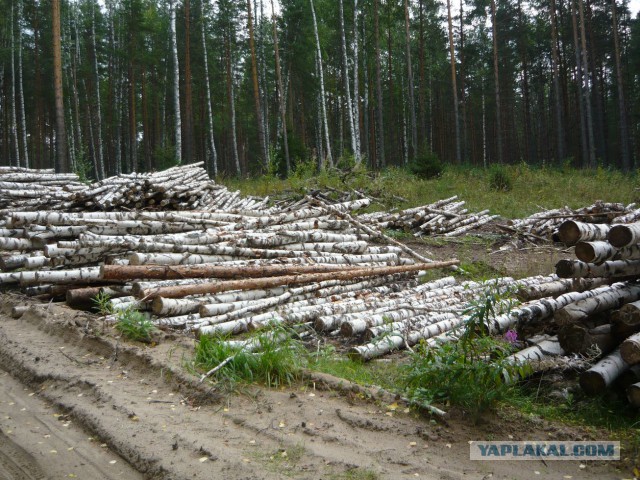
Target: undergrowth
pixel 135 325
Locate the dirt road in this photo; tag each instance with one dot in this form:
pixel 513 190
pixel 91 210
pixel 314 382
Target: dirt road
pixel 76 403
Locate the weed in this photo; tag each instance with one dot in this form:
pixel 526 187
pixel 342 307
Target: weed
pixel 469 373
pixel 135 325
pixel 356 474
pixel 278 360
pixel 102 304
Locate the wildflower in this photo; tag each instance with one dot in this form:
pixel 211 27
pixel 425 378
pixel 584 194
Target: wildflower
pixel 511 336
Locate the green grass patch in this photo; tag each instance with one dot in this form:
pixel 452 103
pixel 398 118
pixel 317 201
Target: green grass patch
pixel 278 361
pixel 135 325
pixel 532 188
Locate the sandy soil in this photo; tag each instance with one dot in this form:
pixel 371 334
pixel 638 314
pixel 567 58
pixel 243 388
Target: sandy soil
pixel 75 402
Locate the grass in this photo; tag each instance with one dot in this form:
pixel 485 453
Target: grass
pixel 135 326
pixel 533 188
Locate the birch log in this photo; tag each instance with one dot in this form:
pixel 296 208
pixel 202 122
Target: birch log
pixel 572 232
pixel 614 268
pixel 626 320
pixel 630 349
pixel 624 235
pixel 543 349
pixel 633 394
pixel 582 340
pixel 607 300
pixel 596 380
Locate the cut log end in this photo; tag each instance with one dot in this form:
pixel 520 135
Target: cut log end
pixel 620 236
pixel 592 383
pixel 584 251
pixel 569 233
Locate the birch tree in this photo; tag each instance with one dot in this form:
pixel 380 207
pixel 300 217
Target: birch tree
pixel 213 164
pixel 176 83
pixel 323 102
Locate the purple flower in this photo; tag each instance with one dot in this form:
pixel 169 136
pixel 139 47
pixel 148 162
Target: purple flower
pixel 511 336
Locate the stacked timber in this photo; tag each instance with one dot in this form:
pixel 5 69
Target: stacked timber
pixel 544 225
pixel 447 217
pixel 604 323
pixel 185 187
pixel 23 188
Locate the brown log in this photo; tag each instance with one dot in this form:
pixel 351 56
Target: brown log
pixel 258 283
pixel 576 338
pixel 630 349
pixel 209 270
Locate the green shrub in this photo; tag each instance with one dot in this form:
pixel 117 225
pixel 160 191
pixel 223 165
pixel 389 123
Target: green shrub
pixel 427 165
pixel 499 179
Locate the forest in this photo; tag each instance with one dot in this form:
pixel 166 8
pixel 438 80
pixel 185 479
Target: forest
pixel 257 86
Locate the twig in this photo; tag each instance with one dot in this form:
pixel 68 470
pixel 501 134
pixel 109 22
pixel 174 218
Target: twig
pixel 216 368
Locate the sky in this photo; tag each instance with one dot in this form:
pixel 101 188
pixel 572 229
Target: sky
pixel 634 7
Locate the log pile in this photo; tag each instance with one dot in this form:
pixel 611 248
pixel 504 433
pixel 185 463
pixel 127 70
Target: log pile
pixel 544 225
pixel 22 188
pixel 603 321
pixel 186 187
pixel 447 217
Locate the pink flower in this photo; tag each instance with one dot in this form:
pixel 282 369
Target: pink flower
pixel 511 336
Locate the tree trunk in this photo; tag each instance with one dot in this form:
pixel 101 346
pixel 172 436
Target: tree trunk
pixel 213 163
pixel 496 79
pixel 571 232
pixel 253 284
pixel 454 84
pixel 575 338
pixel 412 102
pixel 176 83
pixel 189 153
pixel 62 157
pixel 232 102
pixel 613 298
pixel 356 85
pixel 587 87
pixel 99 150
pixel 256 90
pixel 379 106
pixel 345 75
pixel 23 122
pixel 610 269
pixel 556 84
pixel 625 157
pixel 281 91
pixel 323 102
pixel 15 158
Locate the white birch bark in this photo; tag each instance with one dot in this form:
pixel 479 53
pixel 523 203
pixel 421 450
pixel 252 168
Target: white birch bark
pixel 356 87
pixel 572 232
pixel 347 89
pixel 599 377
pixel 176 82
pixel 609 269
pixel 607 300
pixel 323 101
pixel 595 252
pixel 23 122
pixel 214 153
pixel 14 118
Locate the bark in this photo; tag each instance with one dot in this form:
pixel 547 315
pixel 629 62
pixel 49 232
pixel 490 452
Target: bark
pixel 23 121
pixel 609 269
pixel 79 275
pixel 188 97
pixel 256 90
pixel 559 287
pixel 100 174
pixel 232 103
pixel 63 161
pixel 412 102
pixel 571 232
pixel 176 83
pixel 595 252
pixel 252 284
pixel 131 272
pixel 587 88
pixel 599 377
pixel 542 350
pixel 15 158
pixel 630 349
pixel 356 86
pixel 613 298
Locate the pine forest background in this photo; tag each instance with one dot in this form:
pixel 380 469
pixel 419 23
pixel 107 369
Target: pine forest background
pixel 250 87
